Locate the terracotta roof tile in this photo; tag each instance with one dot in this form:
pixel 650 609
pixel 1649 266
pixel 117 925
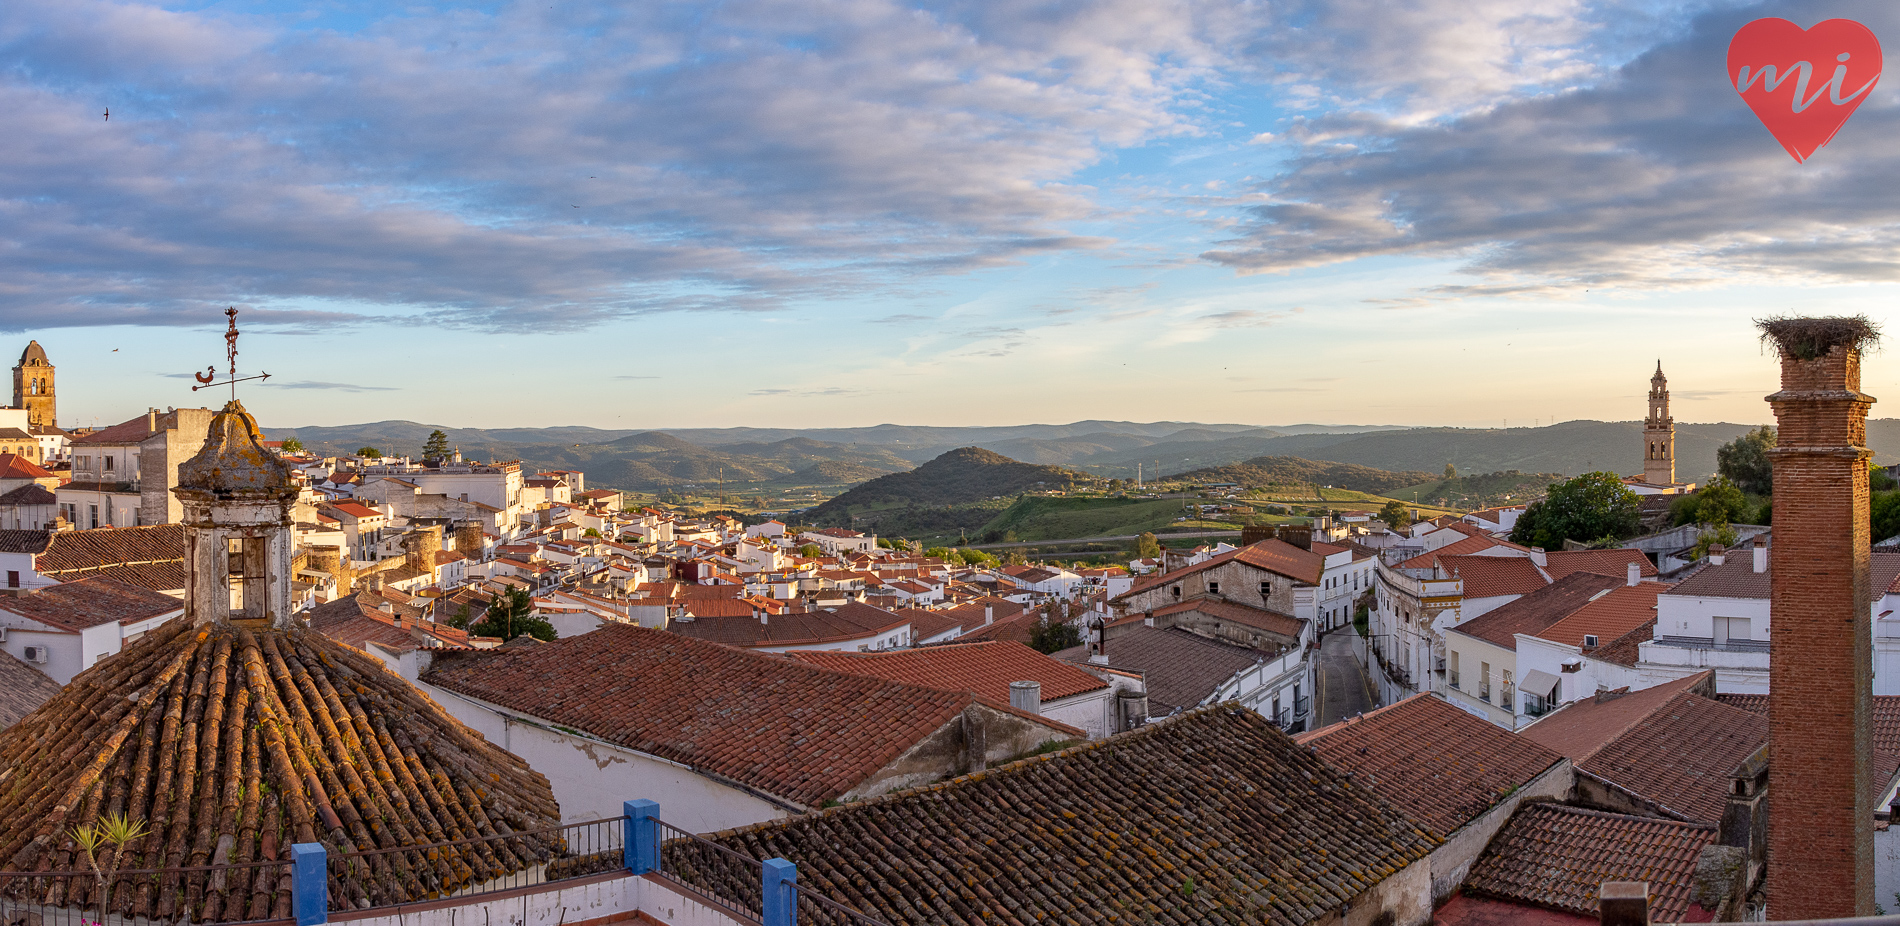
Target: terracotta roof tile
pixel 1439 765
pixel 1614 563
pixel 1494 576
pixel 1274 555
pixel 322 743
pixel 1464 547
pixel 1269 833
pixel 1181 670
pixel 1551 855
pixel 1624 609
pixel 1537 610
pixel 89 602
pixel 14 466
pixel 1285 625
pixel 802 733
pixel 1666 744
pixel 75 553
pixel 22 689
pixel 985 668
pixel 1735 578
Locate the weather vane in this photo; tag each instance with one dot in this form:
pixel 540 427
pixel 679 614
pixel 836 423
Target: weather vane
pixel 230 351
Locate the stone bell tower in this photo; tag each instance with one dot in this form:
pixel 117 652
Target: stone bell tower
pixel 1659 434
pixel 237 498
pixel 33 386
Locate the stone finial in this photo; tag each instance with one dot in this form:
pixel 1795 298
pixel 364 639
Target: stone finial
pixel 234 458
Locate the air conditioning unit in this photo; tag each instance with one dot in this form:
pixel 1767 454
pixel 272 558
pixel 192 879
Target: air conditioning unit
pixel 36 654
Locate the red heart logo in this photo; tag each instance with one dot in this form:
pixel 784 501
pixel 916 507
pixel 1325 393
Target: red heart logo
pixel 1803 83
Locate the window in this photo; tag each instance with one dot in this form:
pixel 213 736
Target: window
pixel 1732 629
pixel 85 462
pixel 1266 590
pixel 13 578
pixel 1213 588
pixel 1484 681
pixel 1589 641
pixel 93 518
pixel 1177 591
pixel 246 566
pixel 108 463
pixel 1454 668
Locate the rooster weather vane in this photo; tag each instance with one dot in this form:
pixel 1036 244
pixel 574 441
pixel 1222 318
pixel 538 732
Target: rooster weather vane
pixel 230 350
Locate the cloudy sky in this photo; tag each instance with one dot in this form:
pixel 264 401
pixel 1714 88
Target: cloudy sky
pixel 807 213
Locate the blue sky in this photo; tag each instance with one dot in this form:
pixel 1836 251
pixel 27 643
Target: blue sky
pixel 792 213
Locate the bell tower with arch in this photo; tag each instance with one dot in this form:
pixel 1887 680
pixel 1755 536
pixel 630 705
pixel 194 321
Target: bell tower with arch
pixel 33 386
pixel 237 498
pixel 1659 434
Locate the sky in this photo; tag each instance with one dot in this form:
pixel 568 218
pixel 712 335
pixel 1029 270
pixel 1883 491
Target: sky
pixel 789 213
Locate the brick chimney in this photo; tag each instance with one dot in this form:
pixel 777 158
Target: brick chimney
pixel 1820 664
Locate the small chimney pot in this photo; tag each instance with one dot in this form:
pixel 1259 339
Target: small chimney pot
pixel 1633 575
pixel 1761 555
pixel 1026 696
pixel 1718 554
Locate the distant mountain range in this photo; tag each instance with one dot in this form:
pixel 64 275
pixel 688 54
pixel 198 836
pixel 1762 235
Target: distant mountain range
pixel 779 458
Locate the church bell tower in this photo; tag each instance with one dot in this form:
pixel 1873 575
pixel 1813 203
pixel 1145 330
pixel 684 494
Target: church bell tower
pixel 33 386
pixel 1659 434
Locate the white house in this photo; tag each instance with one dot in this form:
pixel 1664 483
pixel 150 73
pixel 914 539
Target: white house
pixel 770 738
pixel 837 541
pixel 63 629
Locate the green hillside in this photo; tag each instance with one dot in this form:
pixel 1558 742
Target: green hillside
pixel 1274 471
pixel 1046 518
pixel 960 477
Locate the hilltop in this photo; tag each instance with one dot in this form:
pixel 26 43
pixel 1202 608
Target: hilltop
pixel 1283 470
pixel 965 476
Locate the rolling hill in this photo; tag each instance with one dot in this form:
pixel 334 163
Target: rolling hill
pixel 1263 471
pixel 963 477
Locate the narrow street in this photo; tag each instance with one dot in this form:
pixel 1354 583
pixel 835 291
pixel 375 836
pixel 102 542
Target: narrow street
pixel 1343 686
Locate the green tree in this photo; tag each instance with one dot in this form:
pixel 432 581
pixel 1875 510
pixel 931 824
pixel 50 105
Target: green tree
pixel 1147 546
pixel 1451 472
pixel 1049 635
pixel 1723 534
pixel 1884 520
pixel 293 445
pixel 981 558
pixel 1879 480
pixel 949 556
pixel 1720 502
pixel 1744 461
pixel 1114 485
pixel 437 447
pixel 811 551
pixel 1396 515
pixel 1591 508
pixel 370 452
pixel 510 615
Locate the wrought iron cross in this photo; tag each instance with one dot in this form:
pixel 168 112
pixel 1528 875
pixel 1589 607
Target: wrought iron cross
pixel 230 352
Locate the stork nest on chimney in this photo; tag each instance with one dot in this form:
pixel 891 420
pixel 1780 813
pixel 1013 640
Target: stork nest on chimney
pixel 1808 338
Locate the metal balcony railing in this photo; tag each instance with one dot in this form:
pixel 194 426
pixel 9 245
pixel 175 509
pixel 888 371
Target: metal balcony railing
pixel 1454 679
pixel 1301 705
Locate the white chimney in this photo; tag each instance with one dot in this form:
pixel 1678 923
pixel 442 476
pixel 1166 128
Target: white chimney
pixel 989 614
pixel 1026 696
pixel 1633 575
pixel 1761 554
pixel 1718 554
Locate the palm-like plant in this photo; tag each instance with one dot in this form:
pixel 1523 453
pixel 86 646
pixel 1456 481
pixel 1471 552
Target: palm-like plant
pixel 112 830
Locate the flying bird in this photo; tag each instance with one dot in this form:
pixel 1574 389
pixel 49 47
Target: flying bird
pixel 108 114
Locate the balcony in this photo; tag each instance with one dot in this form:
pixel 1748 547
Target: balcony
pixel 1454 679
pixel 1301 705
